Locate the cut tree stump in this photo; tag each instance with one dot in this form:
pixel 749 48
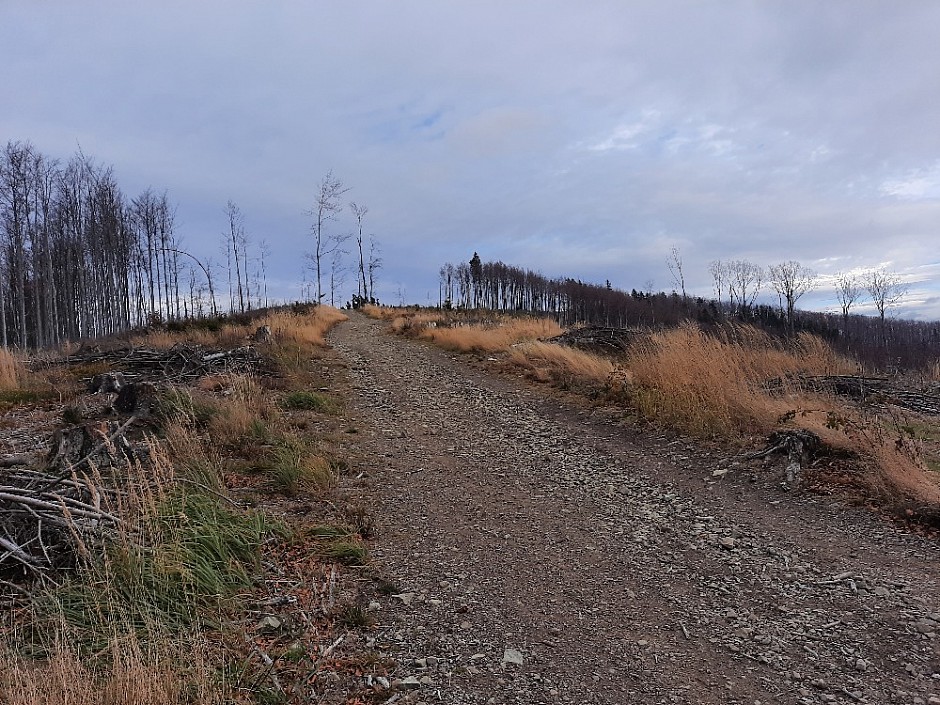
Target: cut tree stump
pixel 263 335
pixel 106 383
pixel 100 444
pixel 138 398
pixel 799 445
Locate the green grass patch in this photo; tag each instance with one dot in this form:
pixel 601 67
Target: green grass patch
pixel 180 568
pixel 294 467
pixel 303 400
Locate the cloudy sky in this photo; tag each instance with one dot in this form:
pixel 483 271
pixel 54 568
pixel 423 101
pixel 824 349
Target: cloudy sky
pixel 581 139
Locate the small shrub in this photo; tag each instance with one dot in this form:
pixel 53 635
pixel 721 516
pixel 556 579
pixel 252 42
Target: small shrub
pixel 356 617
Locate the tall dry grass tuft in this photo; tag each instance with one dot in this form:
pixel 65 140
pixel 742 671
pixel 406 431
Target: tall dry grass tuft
pixel 246 405
pixel 547 362
pixel 707 384
pixel 491 338
pixel 894 471
pixel 381 313
pixel 12 371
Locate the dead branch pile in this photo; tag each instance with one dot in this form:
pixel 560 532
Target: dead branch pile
pixel 597 338
pixel 51 511
pixel 182 362
pixel 879 390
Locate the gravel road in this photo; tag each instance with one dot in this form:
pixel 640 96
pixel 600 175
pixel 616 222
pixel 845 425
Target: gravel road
pixel 545 553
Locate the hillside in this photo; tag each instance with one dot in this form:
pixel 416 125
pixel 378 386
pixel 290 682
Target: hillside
pixel 442 527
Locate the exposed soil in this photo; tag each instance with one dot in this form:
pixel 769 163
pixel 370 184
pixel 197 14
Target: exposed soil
pixel 608 560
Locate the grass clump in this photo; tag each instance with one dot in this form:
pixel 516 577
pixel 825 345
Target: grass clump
pixel 307 328
pixel 491 338
pixel 303 400
pixel 348 551
pixel 293 467
pixel 127 673
pixel 180 405
pixel 184 561
pixel 356 617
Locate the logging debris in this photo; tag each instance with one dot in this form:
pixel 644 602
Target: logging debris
pixel 180 363
pixel 51 511
pixel 597 338
pixel 878 390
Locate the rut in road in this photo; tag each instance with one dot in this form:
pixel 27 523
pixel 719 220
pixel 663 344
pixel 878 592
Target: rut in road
pixel 520 528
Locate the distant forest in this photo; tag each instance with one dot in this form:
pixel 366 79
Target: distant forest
pixel 882 342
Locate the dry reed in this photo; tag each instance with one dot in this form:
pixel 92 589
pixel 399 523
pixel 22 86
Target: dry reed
pixel 132 676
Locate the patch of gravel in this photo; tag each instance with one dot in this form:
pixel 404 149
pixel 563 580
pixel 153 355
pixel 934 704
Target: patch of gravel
pixel 546 554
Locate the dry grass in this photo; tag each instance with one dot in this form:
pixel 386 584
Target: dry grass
pixel 131 676
pixel 245 404
pixel 381 313
pixel 568 367
pixel 933 372
pixel 499 337
pixel 715 384
pixel 304 328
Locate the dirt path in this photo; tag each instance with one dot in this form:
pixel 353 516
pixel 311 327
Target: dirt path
pixel 613 565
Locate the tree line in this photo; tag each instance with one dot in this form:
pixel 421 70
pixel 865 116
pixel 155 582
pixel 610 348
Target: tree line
pixel 879 341
pixel 79 258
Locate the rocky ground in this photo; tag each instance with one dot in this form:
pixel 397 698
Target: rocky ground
pixel 546 553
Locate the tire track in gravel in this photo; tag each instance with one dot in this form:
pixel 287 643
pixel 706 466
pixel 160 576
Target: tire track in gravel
pixel 515 525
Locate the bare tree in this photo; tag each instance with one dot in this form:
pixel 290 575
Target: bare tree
pixel 848 291
pixel 360 212
pixel 235 239
pixel 791 280
pixel 338 272
pixel 327 205
pixel 264 253
pixel 719 272
pixel 744 283
pixel 886 291
pixel 373 266
pixel 675 269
